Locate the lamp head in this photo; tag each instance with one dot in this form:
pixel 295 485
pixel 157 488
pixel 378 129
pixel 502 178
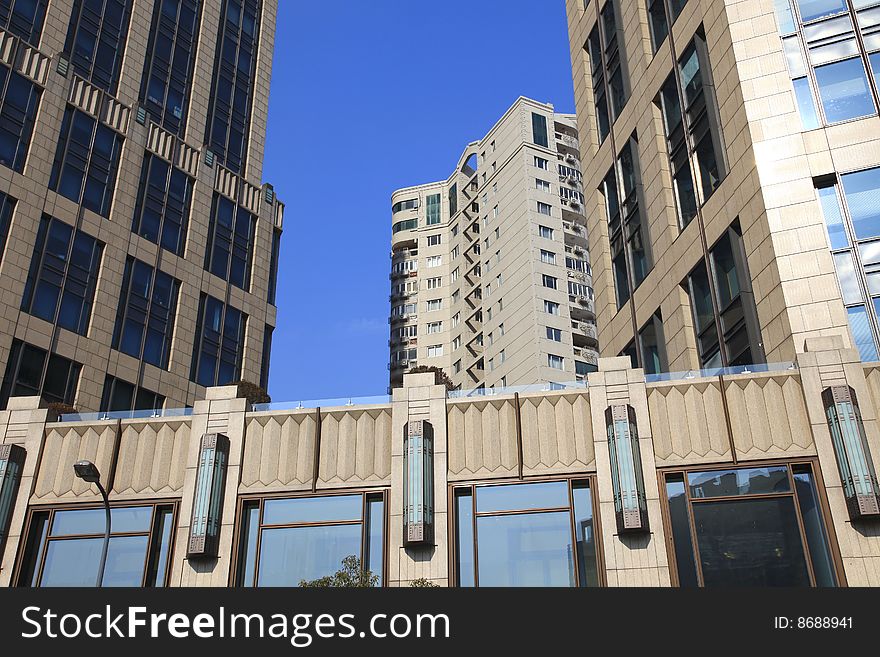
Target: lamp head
pixel 87 471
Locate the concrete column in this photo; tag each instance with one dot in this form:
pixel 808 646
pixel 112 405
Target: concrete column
pixel 827 362
pixel 630 559
pixel 22 423
pixel 418 399
pixel 222 411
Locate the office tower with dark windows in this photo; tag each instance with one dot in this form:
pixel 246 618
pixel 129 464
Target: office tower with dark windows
pixel 139 244
pixel 732 155
pixel 490 270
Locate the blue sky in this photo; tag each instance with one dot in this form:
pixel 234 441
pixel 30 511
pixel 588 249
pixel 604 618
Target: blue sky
pixel 369 96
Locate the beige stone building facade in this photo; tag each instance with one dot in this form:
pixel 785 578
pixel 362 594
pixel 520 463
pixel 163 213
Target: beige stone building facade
pixel 140 242
pixel 754 194
pixel 490 270
pixel 716 479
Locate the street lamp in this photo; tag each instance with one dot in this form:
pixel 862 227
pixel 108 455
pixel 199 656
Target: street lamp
pixel 88 472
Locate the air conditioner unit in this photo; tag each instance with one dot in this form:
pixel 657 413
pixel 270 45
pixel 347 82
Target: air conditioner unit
pixel 569 158
pixel 583 300
pixel 571 180
pixel 575 203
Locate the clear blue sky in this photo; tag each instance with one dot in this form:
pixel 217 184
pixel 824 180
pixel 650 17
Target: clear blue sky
pixel 369 96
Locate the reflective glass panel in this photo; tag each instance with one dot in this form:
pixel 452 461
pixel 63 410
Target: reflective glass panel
pixel 92 521
pixel 814 526
pixel 813 9
pixel 843 88
pixel 532 549
pixel 862 192
pixel 742 481
pixel 292 554
pixel 521 497
pixel 585 535
pixel 753 542
pixel 75 562
pixel 861 330
pixel 681 531
pixel 313 509
pixel 833 217
pixel 464 516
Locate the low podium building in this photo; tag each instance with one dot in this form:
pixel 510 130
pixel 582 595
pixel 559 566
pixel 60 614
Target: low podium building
pixel 760 476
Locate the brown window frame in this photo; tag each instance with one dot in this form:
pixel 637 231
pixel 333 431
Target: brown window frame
pixel 452 525
pixel 824 506
pixel 261 498
pixel 174 503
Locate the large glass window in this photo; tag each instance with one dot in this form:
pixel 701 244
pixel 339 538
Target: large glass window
pixel 693 131
pixel 287 541
pixel 19 100
pixel 630 244
pixel 145 316
pixel 121 395
pixel 432 203
pixel 34 372
pixel 230 242
pixel 608 72
pixel 96 40
pixel 86 162
pixel 534 534
pixel 219 343
pixel 758 526
pixel 162 211
pixel 658 23
pixel 168 68
pixel 229 110
pixel 7 207
pixel 832 48
pixel 63 275
pixel 273 266
pixel 725 289
pixel 24 19
pixel 539 129
pixel 850 207
pixel 652 346
pixel 64 546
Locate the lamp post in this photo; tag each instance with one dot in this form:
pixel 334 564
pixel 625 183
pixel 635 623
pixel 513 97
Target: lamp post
pixel 88 472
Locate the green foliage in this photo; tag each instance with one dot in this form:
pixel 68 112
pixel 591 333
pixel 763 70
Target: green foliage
pixel 252 392
pixel 57 409
pixel 440 377
pixel 422 583
pixel 350 576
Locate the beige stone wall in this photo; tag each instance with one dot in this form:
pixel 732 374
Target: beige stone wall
pixel 712 423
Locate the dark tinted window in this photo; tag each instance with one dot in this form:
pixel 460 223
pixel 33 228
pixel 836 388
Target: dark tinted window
pixel 164 199
pixel 86 162
pixel 168 68
pixel 63 275
pixel 19 100
pixel 229 110
pixel 96 40
pixel 219 343
pixel 146 313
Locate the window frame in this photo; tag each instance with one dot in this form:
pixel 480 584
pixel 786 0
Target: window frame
pixel 790 464
pixel 33 510
pixel 261 498
pixel 472 485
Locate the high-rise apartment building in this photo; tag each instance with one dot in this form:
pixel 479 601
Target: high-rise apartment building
pixel 140 246
pixel 732 169
pixel 490 271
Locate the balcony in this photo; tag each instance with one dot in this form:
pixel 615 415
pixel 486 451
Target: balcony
pixel 569 141
pixel 588 356
pixel 584 334
pixel 582 308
